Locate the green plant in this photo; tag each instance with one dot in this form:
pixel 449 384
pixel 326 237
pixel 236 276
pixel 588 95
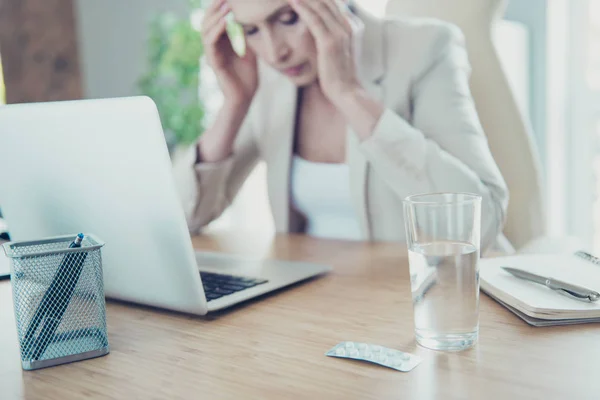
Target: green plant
pixel 172 78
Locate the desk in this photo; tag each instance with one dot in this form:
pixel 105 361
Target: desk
pixel 274 347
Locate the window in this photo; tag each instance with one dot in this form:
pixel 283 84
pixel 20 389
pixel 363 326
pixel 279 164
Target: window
pixel 590 111
pixel 525 24
pixel 580 142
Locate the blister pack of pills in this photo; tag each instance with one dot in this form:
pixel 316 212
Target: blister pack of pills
pixel 376 354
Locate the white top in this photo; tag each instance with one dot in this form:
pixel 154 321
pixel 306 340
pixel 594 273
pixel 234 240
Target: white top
pixel 321 192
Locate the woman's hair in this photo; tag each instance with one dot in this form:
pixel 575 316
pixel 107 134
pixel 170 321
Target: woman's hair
pixel 351 6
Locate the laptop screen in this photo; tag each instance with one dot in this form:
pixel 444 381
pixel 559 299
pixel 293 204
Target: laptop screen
pixel 4 262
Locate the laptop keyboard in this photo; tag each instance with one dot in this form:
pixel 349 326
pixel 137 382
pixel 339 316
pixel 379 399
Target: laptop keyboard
pixel 219 285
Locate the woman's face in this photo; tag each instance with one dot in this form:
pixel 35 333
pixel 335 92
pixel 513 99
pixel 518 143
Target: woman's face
pixel 276 34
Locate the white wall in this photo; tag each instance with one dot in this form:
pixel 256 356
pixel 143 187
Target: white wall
pixel 375 7
pixel 112 42
pixel 512 42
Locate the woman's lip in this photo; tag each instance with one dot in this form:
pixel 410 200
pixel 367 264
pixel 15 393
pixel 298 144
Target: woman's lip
pixel 294 71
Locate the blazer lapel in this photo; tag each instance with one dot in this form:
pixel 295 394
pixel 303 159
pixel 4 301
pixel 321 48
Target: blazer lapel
pixel 278 150
pixel 370 71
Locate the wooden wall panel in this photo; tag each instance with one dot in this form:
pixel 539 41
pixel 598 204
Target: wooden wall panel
pixel 38 44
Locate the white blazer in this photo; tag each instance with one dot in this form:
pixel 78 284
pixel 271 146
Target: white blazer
pixel 429 139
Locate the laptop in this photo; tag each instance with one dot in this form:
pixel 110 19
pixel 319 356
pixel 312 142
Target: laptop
pixel 102 167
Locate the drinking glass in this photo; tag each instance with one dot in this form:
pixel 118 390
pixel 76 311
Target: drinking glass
pixel 443 237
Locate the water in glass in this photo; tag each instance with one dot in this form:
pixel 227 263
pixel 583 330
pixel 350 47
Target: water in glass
pixel 445 292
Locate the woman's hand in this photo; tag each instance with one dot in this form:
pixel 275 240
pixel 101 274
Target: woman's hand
pixel 338 79
pixel 238 80
pixel 334 40
pixel 237 76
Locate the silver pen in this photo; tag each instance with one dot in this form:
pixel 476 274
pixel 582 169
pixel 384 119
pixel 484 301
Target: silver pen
pixel 573 291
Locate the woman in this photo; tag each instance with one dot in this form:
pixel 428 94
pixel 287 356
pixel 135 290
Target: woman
pixel 351 114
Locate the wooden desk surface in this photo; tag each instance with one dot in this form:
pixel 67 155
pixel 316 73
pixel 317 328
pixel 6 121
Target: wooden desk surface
pixel 274 347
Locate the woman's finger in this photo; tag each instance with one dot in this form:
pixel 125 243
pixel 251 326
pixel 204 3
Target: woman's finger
pixel 214 6
pixel 249 55
pixel 326 11
pixel 219 29
pixel 210 20
pixel 334 7
pixel 313 21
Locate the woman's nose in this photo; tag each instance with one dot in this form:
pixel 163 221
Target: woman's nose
pixel 277 50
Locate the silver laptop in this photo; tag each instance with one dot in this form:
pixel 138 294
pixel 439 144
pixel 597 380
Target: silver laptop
pixel 102 167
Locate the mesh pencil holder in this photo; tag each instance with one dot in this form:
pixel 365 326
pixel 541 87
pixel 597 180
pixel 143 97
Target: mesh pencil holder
pixel 58 296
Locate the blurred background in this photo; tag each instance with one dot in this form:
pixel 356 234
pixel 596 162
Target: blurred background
pixel 70 49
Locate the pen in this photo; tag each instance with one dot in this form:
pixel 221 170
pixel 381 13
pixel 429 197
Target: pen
pixel 573 291
pixel 55 302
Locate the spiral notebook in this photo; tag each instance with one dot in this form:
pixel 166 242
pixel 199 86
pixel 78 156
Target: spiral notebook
pixel 537 304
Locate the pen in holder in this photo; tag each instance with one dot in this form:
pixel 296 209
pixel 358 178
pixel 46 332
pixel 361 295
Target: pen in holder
pixel 58 296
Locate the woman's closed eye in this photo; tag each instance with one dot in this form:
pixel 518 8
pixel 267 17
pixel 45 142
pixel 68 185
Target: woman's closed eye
pixel 285 18
pixel 250 30
pixel 288 18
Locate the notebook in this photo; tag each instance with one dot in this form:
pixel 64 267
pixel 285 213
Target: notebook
pixel 535 303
